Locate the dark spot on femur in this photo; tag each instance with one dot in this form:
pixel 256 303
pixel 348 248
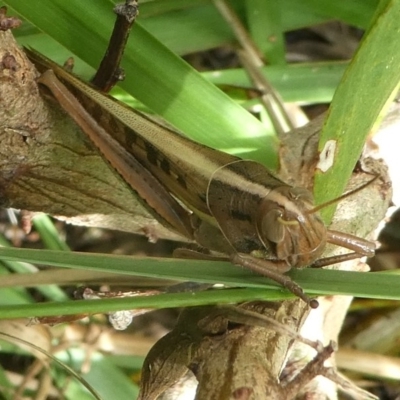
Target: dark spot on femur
pixel 151 154
pixel 113 125
pixel 165 165
pixel 181 181
pixel 130 137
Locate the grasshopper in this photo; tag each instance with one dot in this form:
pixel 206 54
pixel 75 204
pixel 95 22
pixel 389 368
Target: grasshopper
pixel 228 205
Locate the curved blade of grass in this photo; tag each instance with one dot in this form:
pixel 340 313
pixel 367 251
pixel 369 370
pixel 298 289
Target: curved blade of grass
pixel 366 87
pixel 73 373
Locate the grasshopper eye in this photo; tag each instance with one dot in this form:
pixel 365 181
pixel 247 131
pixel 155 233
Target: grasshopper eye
pixel 270 229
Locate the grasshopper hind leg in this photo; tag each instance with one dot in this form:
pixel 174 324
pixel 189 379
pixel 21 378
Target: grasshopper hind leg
pixel 274 271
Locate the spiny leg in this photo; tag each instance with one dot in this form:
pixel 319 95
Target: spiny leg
pixel 274 271
pixel 339 258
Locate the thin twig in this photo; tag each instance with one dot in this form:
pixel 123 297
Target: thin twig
pixel 109 72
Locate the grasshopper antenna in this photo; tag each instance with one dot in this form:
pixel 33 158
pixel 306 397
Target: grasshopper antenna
pixel 342 197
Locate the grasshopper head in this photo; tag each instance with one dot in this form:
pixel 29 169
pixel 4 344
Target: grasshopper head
pixel 287 229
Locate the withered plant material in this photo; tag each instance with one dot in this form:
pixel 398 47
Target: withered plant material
pixel 236 353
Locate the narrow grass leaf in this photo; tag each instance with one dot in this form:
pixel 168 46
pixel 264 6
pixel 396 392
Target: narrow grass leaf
pixel 367 85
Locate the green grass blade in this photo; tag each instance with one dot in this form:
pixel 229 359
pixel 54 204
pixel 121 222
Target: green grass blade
pixel 314 281
pixel 334 282
pixel 51 292
pixel 366 87
pixel 48 233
